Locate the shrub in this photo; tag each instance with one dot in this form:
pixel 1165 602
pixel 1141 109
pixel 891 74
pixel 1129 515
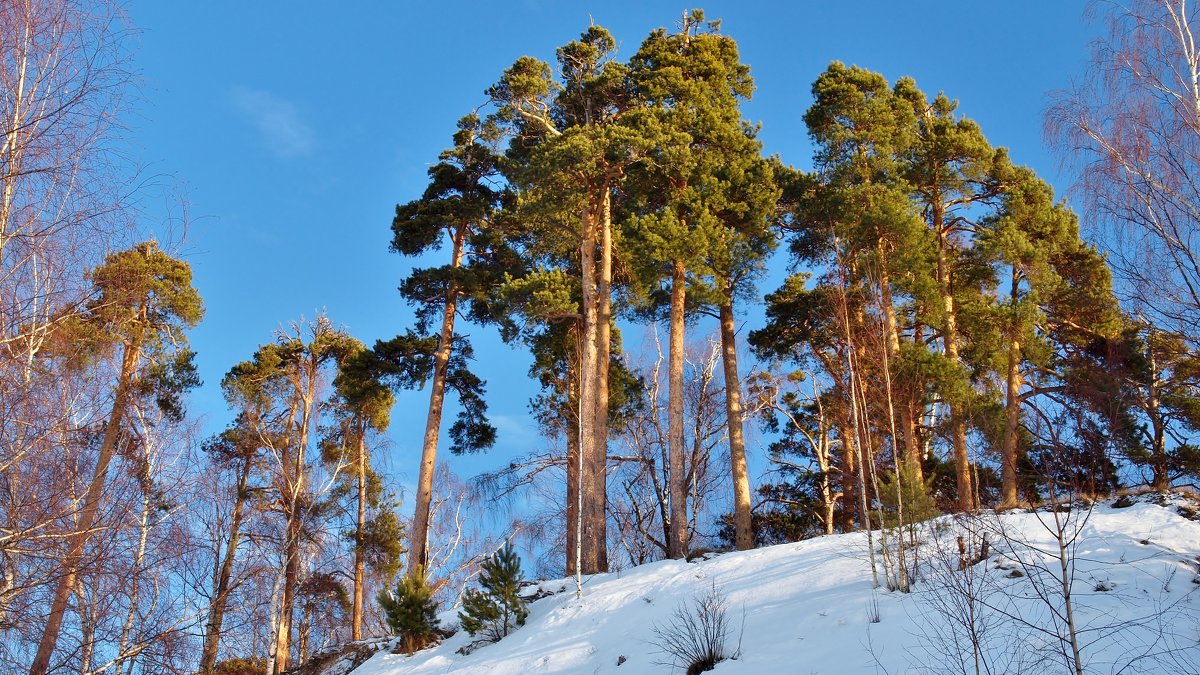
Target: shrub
pixel 411 612
pixel 241 666
pixel 697 638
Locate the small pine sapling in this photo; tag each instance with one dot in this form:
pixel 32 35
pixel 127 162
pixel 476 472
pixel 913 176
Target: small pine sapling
pixel 497 609
pixel 411 611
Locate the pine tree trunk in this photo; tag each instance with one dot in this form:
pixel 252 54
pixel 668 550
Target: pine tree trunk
pixel 915 404
pixel 677 544
pixel 1012 425
pixel 359 564
pixel 958 423
pixel 216 612
pixel 1012 420
pixel 291 577
pixel 599 460
pixel 588 394
pixel 306 384
pixel 87 516
pixel 828 499
pixel 418 539
pixel 743 532
pixel 849 477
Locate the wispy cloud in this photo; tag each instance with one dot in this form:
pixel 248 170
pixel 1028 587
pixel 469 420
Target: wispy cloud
pixel 277 121
pixel 513 432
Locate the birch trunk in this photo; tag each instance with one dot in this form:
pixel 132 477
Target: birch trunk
pixel 908 427
pixel 572 547
pixel 135 579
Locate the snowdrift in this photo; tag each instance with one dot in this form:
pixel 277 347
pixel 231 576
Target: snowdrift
pixel 811 607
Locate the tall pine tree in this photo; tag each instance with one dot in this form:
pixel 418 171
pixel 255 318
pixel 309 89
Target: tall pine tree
pixel 457 208
pixel 568 158
pixel 143 302
pixel 690 85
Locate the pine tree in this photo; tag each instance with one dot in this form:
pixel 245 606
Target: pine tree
pixel 691 84
pixel 457 208
pixel 282 383
pixel 411 611
pixel 736 261
pixel 862 130
pixel 1161 378
pixel 497 609
pixel 954 174
pixel 1059 301
pixel 143 303
pixel 568 159
pixel 362 406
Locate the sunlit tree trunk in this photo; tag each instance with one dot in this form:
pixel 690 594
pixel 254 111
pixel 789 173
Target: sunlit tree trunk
pixel 86 520
pixel 1012 418
pixel 958 422
pixel 589 397
pixel 849 476
pixel 677 543
pixel 418 539
pixel 305 383
pixel 597 513
pixel 743 533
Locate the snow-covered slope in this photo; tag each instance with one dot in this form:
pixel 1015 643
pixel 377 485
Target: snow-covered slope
pixel 810 607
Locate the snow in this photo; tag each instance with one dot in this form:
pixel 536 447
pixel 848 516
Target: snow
pixel 808 607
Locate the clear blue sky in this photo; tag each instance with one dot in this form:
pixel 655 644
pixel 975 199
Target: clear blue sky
pixel 292 129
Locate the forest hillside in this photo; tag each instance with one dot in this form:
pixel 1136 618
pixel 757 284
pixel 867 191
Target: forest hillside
pixel 656 306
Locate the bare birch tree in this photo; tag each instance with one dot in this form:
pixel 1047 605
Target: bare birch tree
pixel 1131 126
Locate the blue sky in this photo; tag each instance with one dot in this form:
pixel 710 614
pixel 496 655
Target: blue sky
pixel 291 130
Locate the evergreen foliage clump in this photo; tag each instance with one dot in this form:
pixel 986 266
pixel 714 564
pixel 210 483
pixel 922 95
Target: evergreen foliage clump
pixel 241 666
pixel 908 501
pixel 497 609
pixel 411 611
